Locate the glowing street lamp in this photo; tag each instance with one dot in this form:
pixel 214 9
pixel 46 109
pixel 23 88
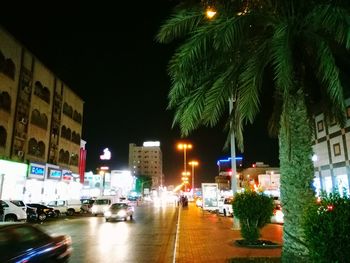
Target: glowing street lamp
pixel 193 164
pixel 184 147
pixel 210 12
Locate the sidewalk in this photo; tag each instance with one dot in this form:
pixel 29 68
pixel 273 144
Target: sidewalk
pixel 206 237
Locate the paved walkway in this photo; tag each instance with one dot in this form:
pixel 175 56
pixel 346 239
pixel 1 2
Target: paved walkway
pixel 206 237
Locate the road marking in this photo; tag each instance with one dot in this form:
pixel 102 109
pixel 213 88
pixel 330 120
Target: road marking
pixel 177 234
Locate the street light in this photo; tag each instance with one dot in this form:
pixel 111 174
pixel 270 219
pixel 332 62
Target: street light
pixel 193 164
pixel 184 178
pixel 184 147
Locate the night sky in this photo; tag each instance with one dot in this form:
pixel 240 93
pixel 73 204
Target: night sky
pixel 107 55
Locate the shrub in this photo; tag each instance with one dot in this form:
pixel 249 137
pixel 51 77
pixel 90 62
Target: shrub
pixel 327 228
pixel 254 210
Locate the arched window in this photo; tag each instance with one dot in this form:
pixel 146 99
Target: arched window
pixel 10 68
pixel 32 146
pixel 68 110
pixel 66 157
pixel 38 88
pixel 61 156
pixel 74 159
pixel 44 121
pixel 5 101
pixel 46 95
pixel 3 136
pixel 41 149
pixel 36 118
pixel 2 62
pixel 64 132
pixel 69 134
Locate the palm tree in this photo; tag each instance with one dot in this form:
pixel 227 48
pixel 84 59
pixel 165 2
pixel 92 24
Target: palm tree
pixel 230 56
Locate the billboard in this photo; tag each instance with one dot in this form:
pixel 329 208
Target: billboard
pixel 210 195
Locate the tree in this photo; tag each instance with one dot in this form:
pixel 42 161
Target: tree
pixel 297 43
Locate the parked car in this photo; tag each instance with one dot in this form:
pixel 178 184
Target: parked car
pixel 14 210
pixel 225 206
pixel 28 243
pixel 42 211
pixel 86 205
pixel 68 207
pixel 119 211
pixel 278 216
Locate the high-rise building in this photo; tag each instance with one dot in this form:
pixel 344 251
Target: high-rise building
pixel 147 160
pixel 40 120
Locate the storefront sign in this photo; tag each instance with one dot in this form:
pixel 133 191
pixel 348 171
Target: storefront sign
pixel 36 171
pixel 54 174
pixel 67 175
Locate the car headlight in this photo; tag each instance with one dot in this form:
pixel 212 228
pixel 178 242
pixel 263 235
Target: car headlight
pixel 108 213
pixel 122 213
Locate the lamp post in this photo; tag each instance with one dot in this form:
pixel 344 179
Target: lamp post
pixel 193 164
pixel 184 178
pixel 184 147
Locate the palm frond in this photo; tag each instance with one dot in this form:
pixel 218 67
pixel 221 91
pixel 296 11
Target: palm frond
pixel 282 58
pixel 180 24
pixel 332 19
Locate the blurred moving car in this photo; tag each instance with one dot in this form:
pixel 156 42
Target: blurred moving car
pixel 119 211
pixel 27 243
pixel 14 210
pixel 42 211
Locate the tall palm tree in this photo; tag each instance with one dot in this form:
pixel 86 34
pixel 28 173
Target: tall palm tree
pixel 295 41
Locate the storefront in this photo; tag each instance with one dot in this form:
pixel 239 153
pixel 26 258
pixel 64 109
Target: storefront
pixel 12 179
pixel 34 186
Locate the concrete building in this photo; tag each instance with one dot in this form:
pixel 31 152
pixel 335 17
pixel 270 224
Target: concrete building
pixel 331 147
pixel 147 160
pixel 40 123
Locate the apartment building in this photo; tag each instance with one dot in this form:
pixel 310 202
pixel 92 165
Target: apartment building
pixel 40 126
pixel 147 160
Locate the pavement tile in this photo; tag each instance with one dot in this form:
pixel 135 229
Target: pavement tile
pixel 208 237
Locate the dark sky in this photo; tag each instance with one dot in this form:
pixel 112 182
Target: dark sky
pixel 107 54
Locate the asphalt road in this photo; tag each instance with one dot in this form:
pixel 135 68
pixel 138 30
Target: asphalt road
pixel 149 237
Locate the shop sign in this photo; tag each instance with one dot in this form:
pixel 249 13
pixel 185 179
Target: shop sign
pixel 55 174
pixel 67 175
pixel 36 171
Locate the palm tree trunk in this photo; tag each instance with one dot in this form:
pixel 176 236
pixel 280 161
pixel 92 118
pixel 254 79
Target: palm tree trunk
pixel 297 175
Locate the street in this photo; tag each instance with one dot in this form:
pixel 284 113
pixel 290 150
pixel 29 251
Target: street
pixel 149 237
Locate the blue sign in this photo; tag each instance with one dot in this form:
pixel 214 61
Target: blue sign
pixel 35 170
pixel 55 174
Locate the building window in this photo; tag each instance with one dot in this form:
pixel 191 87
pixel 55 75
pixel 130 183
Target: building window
pixel 320 126
pixel 3 136
pixel 336 149
pixel 5 101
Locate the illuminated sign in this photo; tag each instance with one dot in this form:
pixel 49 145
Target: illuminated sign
pixel 54 174
pixel 67 175
pixel 36 171
pixel 151 144
pixel 106 155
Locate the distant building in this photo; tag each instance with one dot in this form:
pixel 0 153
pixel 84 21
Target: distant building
pixel 331 147
pixel 40 127
pixel 147 160
pixel 225 172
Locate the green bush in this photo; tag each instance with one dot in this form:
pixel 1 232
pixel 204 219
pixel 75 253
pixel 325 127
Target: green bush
pixel 254 210
pixel 327 229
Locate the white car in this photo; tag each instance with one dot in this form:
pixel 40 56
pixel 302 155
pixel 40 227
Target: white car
pixel 14 210
pixel 119 211
pixel 225 206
